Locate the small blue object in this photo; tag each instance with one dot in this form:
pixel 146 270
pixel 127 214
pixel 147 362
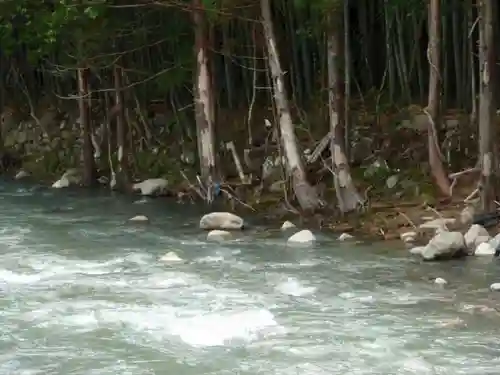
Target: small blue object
pixel 216 189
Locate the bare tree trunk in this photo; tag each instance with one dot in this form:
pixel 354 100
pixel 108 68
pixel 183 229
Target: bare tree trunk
pixel 305 193
pixel 433 104
pixel 122 172
pixel 487 131
pixel 89 169
pixel 204 103
pixel 347 195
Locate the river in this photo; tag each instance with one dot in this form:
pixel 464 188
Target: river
pixel 82 292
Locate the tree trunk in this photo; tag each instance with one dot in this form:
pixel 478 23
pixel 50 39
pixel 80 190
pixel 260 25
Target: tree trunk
pixel 433 104
pixel 89 169
pixel 122 172
pixel 204 103
pixel 487 132
pixel 347 195
pixel 305 193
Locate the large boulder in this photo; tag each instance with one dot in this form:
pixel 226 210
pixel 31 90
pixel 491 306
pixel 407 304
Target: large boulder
pixel 152 187
pixel 71 178
pixel 304 237
pixel 444 245
pixel 475 236
pixel 221 221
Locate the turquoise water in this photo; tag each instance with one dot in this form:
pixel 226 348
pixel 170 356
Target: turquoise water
pixel 83 292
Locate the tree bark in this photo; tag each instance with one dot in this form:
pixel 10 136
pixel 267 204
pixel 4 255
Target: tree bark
pixel 347 196
pixel 122 170
pixel 434 98
pixel 487 131
pixel 89 170
pixel 204 102
pixel 306 195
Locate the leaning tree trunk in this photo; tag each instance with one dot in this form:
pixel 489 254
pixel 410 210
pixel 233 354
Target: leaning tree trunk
pixel 347 195
pixel 487 133
pixel 305 193
pixel 204 102
pixel 89 169
pixel 434 98
pixel 122 172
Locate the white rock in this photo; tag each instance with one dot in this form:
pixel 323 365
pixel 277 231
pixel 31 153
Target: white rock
pixel 417 250
pixel 495 241
pixel 437 223
pixel 440 281
pixel 139 218
pixel 288 225
pixel 221 221
pixel 392 181
pixel 21 174
pixel 70 177
pixel 303 237
pixel 171 257
pixel 484 249
pixel 408 237
pixel 345 237
pixel 495 287
pixel 219 235
pixel 444 245
pixel 475 236
pixel 152 187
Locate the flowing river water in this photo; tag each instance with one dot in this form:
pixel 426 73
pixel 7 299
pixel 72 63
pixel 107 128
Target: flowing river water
pixel 82 292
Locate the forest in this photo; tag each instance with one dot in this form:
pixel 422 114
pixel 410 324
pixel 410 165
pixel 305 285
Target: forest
pixel 324 105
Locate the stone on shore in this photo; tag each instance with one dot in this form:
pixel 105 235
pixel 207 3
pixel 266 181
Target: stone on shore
pixel 475 236
pixel 303 237
pixel 444 245
pixel 288 225
pixel 70 178
pixel 21 174
pixel 139 219
pixel 171 257
pixel 152 187
pixel 219 235
pixel 221 221
pixel 484 249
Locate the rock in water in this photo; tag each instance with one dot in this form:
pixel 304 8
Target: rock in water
pixel 440 281
pixel 417 250
pixel 219 235
pixel 408 237
pixel 484 249
pixel 345 237
pixel 152 187
pixel 171 257
pixel 475 236
pixel 221 221
pixel 139 219
pixel 288 225
pixel 71 177
pixel 495 287
pixel 444 245
pixel 302 237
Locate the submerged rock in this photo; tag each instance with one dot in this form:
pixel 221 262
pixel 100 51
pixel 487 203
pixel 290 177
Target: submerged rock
pixel 219 235
pixel 221 221
pixel 303 237
pixel 152 187
pixel 288 225
pixel 139 219
pixel 70 178
pixel 475 236
pixel 171 257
